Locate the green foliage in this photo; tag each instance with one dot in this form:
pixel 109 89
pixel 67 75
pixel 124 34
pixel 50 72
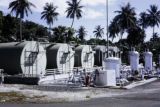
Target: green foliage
pixel 98 32
pixel 62 34
pixel 1 22
pixel 126 17
pixel 9 29
pixel 114 29
pixel 74 10
pixel 21 7
pixel 49 14
pixel 94 41
pixel 81 33
pixel 31 31
pixel 135 36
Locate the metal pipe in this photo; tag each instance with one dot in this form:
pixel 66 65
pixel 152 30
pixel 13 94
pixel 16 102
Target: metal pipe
pixel 107 28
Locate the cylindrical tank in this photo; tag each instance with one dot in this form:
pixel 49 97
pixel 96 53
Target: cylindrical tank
pixel 84 56
pixel 112 63
pixel 148 61
pixel 134 60
pixel 100 54
pixel 28 58
pixel 60 57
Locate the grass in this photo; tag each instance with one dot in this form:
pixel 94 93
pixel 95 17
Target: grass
pixel 11 97
pixel 15 97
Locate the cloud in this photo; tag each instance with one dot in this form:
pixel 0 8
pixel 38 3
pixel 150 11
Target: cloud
pixel 40 4
pixel 90 13
pixel 4 3
pixel 97 2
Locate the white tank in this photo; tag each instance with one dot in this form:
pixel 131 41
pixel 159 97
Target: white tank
pixel 27 58
pixel 134 60
pixel 60 57
pixel 148 61
pixel 84 56
pixel 112 63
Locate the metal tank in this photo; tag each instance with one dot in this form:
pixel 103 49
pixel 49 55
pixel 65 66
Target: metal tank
pixel 134 60
pixel 148 60
pixel 112 63
pixel 60 57
pixel 27 58
pixel 84 56
pixel 100 54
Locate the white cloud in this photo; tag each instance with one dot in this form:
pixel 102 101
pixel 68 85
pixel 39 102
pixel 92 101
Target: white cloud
pixel 60 3
pixel 97 2
pixel 4 3
pixel 89 14
pixel 92 14
pixel 40 4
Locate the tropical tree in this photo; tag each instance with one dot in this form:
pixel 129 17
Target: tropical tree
pixel 135 36
pixel 1 22
pixel 114 30
pixel 98 32
pixel 143 20
pixel 126 17
pixel 49 14
pixel 81 33
pixel 10 28
pixel 59 33
pixel 70 34
pixel 155 37
pixel 153 16
pixel 21 8
pixel 74 10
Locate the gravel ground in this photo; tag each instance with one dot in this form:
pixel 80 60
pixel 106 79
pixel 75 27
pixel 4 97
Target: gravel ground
pixel 50 94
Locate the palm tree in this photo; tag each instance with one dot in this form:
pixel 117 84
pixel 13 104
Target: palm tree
pixel 153 16
pixel 135 36
pixel 59 33
pixel 98 32
pixel 126 17
pixel 81 33
pixel 114 30
pixel 21 8
pixel 49 14
pixel 1 22
pixel 143 20
pixel 74 10
pixel 70 34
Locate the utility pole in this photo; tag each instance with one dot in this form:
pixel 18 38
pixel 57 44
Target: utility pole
pixel 107 28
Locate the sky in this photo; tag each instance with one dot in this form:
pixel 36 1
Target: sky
pixel 94 13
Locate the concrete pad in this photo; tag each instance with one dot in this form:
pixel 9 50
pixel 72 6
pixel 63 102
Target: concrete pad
pixel 139 83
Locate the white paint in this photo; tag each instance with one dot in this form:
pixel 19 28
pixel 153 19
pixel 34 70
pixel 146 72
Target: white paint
pixel 148 61
pixel 106 78
pixel 64 57
pixel 112 63
pixel 134 60
pixel 86 56
pixel 39 65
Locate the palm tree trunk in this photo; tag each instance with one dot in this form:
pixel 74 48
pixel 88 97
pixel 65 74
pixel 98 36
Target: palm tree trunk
pixel 121 36
pixel 112 39
pixel 20 29
pixel 50 28
pixel 96 41
pixel 72 23
pixel 153 30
